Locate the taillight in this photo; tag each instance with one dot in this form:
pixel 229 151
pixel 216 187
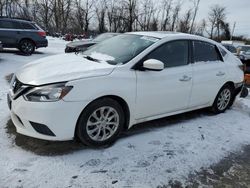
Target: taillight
pixel 242 67
pixel 42 33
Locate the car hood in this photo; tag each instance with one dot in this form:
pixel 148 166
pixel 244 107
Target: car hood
pixel 80 43
pixel 60 68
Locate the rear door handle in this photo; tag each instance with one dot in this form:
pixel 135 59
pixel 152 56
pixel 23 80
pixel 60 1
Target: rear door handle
pixel 220 74
pixel 185 78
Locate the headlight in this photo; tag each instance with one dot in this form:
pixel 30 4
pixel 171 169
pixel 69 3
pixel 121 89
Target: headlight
pixel 49 93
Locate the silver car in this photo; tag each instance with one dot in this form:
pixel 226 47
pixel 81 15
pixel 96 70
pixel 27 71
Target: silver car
pixel 244 52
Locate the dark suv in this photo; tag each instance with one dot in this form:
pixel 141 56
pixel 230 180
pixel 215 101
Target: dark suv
pixel 22 34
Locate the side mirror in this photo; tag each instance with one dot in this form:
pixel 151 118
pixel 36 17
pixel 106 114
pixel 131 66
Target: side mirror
pixel 153 64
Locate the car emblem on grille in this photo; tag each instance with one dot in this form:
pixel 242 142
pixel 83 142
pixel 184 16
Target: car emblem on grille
pixel 14 84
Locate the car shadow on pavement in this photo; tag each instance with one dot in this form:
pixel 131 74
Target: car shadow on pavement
pixel 53 148
pixel 42 147
pixel 166 121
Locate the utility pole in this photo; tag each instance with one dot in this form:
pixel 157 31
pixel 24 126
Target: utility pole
pixel 196 4
pixel 233 31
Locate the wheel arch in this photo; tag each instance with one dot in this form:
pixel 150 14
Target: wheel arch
pixel 120 100
pixel 230 83
pixel 26 38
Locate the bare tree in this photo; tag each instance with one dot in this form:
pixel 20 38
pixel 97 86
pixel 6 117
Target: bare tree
pixel 2 5
pixel 113 15
pixel 116 14
pixel 226 35
pixel 10 8
pixel 146 16
pixel 45 13
pixel 217 15
pixel 166 10
pixel 185 22
pixel 175 15
pixel 101 14
pixel 200 28
pixel 24 9
pixel 196 7
pixel 88 13
pixel 79 15
pixel 110 13
pixel 130 6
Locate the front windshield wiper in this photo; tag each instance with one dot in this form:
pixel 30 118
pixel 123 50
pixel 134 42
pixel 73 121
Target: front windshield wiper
pixel 111 62
pixel 91 58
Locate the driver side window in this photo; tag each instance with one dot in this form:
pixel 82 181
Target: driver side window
pixel 172 54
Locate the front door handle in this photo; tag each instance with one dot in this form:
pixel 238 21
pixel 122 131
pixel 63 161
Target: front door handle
pixel 185 78
pixel 220 74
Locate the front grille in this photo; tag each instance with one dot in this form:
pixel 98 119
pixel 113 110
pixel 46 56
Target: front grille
pixel 42 129
pixel 17 85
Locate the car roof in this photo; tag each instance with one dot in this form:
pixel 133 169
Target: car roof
pixel 16 20
pixel 244 46
pixel 156 34
pixel 227 44
pixel 168 34
pixel 110 33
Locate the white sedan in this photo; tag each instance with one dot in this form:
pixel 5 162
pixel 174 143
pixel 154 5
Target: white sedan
pixel 128 79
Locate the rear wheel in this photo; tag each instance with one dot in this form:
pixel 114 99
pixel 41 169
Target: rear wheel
pixel 223 99
pixel 27 47
pixel 100 123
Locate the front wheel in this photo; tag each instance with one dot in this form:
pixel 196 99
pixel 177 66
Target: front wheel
pixel 27 47
pixel 100 123
pixel 223 99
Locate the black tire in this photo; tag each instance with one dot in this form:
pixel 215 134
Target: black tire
pixel 81 127
pixel 216 107
pixel 27 47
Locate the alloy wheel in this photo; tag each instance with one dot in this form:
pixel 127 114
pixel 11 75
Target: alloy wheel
pixel 27 47
pixel 102 123
pixel 224 99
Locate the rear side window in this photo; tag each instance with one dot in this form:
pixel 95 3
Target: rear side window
pixel 223 52
pixel 28 26
pixel 232 49
pixel 9 25
pixel 172 54
pixel 204 52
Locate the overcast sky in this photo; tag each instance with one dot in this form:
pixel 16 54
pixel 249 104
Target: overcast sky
pixel 237 11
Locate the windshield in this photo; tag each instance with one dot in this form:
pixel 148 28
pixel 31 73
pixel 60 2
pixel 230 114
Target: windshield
pixel 103 37
pixel 231 48
pixel 120 49
pixel 245 48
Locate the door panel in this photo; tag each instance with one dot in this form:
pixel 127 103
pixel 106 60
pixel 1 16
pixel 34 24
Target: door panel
pixel 8 37
pixel 208 77
pixel 9 33
pixel 209 73
pixel 162 92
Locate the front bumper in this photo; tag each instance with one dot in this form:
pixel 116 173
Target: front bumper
pixel 45 120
